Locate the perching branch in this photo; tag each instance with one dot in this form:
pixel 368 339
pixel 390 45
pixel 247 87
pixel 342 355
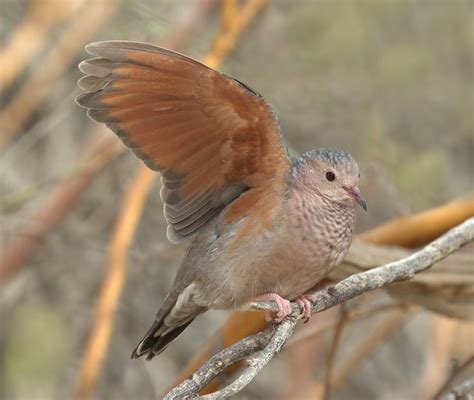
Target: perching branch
pixel 270 342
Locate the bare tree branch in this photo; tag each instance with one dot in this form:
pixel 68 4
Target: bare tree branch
pixel 270 342
pixel 280 336
pixel 219 363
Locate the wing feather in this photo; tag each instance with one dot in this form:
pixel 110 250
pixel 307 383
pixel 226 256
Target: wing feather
pixel 210 136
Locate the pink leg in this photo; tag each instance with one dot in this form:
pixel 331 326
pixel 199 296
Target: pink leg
pixel 304 302
pixel 284 306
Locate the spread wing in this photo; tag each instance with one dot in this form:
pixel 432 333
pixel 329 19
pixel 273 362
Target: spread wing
pixel 210 136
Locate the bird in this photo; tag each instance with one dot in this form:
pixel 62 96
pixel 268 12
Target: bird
pixel 261 225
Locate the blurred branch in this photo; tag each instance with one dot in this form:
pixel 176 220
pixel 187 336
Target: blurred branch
pixel 360 349
pixel 363 256
pixel 229 11
pixel 30 36
pixel 271 341
pixel 419 229
pixel 226 41
pixel 132 206
pixel 126 225
pixel 187 25
pixel 464 388
pixel 18 197
pixel 331 357
pixel 39 84
pixel 437 354
pixel 355 315
pixel 378 332
pixel 21 248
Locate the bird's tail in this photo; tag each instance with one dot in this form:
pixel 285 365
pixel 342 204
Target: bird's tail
pixel 157 338
pixel 175 314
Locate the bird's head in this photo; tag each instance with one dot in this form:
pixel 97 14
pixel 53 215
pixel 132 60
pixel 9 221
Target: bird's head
pixel 332 173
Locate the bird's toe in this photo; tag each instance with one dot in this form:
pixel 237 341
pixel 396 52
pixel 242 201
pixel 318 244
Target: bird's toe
pixel 304 302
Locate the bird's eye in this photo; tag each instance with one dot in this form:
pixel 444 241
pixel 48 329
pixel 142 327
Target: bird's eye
pixel 330 176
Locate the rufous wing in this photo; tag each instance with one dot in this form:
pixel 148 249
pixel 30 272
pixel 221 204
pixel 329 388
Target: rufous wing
pixel 210 136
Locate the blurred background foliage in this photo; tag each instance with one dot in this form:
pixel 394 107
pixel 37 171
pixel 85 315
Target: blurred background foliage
pixel 389 80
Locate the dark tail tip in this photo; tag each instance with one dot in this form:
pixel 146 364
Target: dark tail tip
pixel 152 344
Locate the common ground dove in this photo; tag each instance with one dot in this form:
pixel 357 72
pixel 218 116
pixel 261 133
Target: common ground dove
pixel 262 226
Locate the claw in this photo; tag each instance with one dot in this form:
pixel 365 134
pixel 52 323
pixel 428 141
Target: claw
pixel 304 302
pixel 284 306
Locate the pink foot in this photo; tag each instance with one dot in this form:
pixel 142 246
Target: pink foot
pixel 304 302
pixel 284 306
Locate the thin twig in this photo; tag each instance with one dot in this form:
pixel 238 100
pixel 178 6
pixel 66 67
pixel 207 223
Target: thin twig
pixel 345 290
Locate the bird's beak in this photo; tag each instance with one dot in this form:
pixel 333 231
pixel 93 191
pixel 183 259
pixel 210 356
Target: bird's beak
pixel 355 193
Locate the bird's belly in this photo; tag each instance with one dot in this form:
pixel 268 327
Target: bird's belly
pixel 295 267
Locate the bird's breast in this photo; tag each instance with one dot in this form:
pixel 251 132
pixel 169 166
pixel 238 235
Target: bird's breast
pixel 314 237
pixel 320 228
